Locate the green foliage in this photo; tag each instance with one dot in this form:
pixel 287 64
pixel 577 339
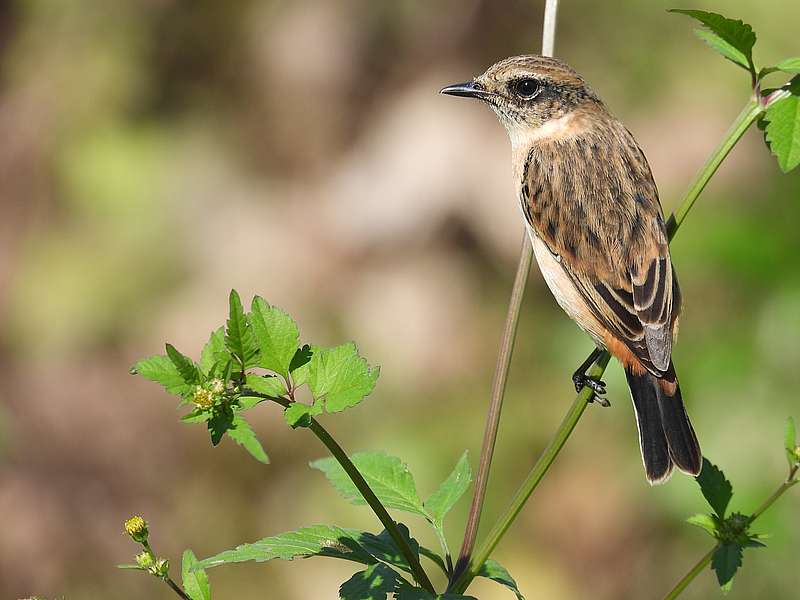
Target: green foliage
pixel 493 570
pixel 406 592
pixel 276 334
pixel 715 488
pixel 451 490
pixel 241 432
pixel 239 334
pixel 195 581
pixel 339 377
pixel 373 583
pixel 161 370
pixel 733 39
pixel 782 130
pixel 790 444
pixel 388 477
pixel 299 415
pixel 214 353
pixel 184 365
pixel 789 65
pixel 725 562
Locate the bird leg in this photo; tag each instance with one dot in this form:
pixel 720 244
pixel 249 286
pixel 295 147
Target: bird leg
pixel 581 380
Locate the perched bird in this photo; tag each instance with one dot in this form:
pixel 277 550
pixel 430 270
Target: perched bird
pixel 595 222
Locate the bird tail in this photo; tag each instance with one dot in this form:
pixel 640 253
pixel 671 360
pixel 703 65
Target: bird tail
pixel 666 436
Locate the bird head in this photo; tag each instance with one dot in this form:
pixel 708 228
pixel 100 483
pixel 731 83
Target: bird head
pixel 528 92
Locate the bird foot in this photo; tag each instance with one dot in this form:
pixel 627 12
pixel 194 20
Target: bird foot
pixel 597 386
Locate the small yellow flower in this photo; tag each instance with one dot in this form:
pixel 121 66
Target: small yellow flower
pixel 217 386
pixel 144 560
pixel 204 398
pixel 136 527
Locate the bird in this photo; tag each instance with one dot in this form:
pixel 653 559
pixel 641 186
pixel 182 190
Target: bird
pixel 593 215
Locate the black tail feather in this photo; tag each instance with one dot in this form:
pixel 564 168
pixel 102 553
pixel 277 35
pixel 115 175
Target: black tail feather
pixel 666 436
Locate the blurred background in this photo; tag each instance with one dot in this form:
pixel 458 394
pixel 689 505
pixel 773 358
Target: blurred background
pixel 157 153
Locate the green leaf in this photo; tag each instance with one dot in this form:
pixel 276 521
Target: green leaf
pixel 184 365
pixel 790 442
pixel 716 489
pixel 388 477
pixel 269 385
pixel 299 414
pixel 214 351
pixel 239 334
pixel 374 583
pixel 435 558
pixel 220 422
pixel 318 540
pixel 130 567
pixel 734 39
pixel 723 47
pixel 300 359
pixel 725 562
pixel 276 335
pixel 340 377
pixel 443 499
pixel 705 522
pixel 407 592
pixel 161 370
pixel 198 415
pixel 195 581
pixel 496 572
pixel 790 65
pixel 782 131
pixel 383 547
pixel 241 432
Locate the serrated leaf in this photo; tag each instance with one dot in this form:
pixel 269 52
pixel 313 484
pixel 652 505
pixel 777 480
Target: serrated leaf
pixel 195 581
pixel 790 442
pixel 220 422
pixel 782 132
pixel 790 65
pixel 339 377
pixel 214 351
pixel 184 365
pixel 715 488
pixel 373 583
pixel 248 402
pixel 725 562
pixel 735 34
pixel 451 490
pixel 705 522
pixel 318 540
pixel 239 339
pixel 276 334
pixel 433 557
pixel 723 47
pixel 300 359
pixel 299 414
pixel 388 477
pixel 383 547
pixel 160 369
pixel 198 415
pixel 242 433
pixel 493 570
pixel 269 386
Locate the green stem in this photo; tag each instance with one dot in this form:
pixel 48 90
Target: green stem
pixel 362 486
pixel 534 477
pixel 176 588
pixel 694 572
pixel 706 559
pixel 745 119
pixel 380 511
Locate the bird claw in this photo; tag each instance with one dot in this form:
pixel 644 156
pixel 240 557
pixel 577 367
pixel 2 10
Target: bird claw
pixel 597 386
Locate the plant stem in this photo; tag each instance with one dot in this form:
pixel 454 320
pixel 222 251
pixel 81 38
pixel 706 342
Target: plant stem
pixel 369 496
pixel 534 477
pixel 745 119
pixel 706 559
pixel 504 355
pixel 176 588
pixel 496 403
pixel 362 486
pixel 694 572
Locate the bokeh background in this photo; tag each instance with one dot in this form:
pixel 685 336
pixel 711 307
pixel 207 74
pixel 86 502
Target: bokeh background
pixel 156 153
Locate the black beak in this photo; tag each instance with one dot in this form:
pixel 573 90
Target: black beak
pixel 470 89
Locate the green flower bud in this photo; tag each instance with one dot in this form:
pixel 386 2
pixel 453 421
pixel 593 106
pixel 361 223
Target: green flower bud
pixel 136 527
pixel 162 567
pixel 145 560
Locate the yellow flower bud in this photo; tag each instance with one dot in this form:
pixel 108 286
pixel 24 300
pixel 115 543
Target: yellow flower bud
pixel 144 560
pixel 136 527
pixel 204 398
pixel 217 386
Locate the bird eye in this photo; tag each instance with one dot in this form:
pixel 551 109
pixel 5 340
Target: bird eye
pixel 526 88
